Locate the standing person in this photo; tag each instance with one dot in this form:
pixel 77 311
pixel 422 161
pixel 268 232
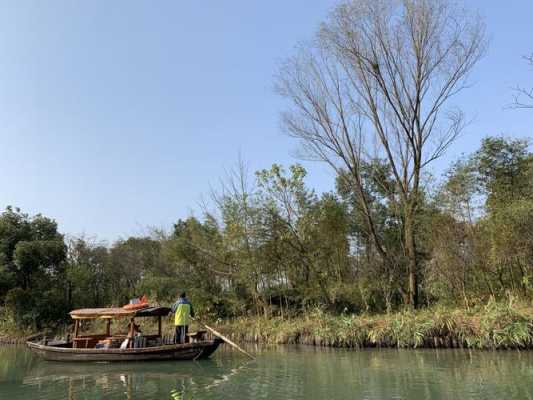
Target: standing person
pixel 182 310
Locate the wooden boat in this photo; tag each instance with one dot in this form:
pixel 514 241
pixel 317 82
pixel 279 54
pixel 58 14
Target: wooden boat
pixel 135 346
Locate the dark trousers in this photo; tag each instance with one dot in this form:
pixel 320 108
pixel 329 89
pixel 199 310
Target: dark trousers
pixel 181 333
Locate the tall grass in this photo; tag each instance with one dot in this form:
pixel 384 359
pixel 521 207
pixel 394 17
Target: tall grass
pixel 492 326
pixel 495 325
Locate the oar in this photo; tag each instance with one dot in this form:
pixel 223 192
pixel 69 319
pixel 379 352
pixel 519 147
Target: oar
pixel 224 338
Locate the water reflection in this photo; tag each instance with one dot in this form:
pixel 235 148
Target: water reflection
pixel 126 381
pixel 279 373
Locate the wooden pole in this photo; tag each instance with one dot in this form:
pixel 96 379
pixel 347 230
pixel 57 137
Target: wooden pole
pixel 108 327
pixel 130 328
pixel 224 338
pixel 76 328
pixel 159 330
pixel 130 333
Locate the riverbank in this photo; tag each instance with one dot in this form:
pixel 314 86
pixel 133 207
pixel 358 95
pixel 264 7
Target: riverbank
pixel 492 326
pixel 9 335
pixel 7 340
pixel 17 338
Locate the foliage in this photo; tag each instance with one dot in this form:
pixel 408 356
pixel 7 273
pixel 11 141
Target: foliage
pixel 494 325
pixel 271 247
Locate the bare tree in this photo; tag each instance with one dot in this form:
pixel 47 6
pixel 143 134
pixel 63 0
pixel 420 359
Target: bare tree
pixel 523 97
pixel 374 86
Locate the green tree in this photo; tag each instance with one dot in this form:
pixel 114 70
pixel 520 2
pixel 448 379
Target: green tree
pixel 32 255
pixel 505 171
pixel 88 274
pixel 130 261
pixel 483 246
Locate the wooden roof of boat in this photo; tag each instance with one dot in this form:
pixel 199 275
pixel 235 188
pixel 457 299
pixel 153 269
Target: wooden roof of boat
pixel 116 312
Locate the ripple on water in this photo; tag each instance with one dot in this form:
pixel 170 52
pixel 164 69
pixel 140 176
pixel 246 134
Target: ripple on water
pixel 278 373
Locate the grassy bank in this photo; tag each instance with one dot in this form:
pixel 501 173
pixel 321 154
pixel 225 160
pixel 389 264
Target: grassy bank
pixel 10 333
pixel 492 326
pixel 495 325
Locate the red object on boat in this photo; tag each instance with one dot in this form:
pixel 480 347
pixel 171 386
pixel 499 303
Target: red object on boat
pixel 143 303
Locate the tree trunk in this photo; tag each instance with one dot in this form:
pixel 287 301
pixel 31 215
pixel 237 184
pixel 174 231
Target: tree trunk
pixel 412 260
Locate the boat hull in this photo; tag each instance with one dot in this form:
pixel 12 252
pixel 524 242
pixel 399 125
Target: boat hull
pixel 187 351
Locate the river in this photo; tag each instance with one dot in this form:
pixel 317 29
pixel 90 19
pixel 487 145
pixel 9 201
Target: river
pixel 285 372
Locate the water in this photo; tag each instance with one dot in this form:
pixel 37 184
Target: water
pixel 278 373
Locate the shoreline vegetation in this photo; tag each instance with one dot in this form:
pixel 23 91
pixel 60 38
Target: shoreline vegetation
pixel 16 338
pixel 258 260
pixel 494 326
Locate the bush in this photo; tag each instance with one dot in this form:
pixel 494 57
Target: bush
pixel 20 306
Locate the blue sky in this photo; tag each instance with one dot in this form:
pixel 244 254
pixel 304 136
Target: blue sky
pixel 119 115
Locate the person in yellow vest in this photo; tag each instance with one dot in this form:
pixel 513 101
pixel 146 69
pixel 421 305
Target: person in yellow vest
pixel 182 310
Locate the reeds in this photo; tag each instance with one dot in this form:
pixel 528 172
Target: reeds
pixel 491 326
pixel 495 325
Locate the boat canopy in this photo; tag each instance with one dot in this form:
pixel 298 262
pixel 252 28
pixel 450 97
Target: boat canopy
pixel 111 313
